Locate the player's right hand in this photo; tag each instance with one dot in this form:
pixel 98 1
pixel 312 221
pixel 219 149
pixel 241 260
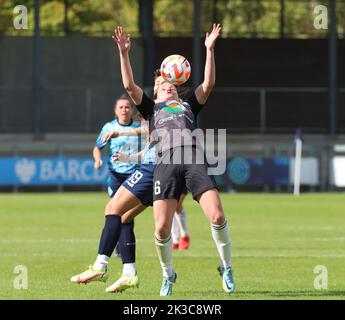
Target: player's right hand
pixel 97 164
pixel 122 40
pixel 109 135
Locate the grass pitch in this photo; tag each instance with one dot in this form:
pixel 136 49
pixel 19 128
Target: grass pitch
pixel 278 240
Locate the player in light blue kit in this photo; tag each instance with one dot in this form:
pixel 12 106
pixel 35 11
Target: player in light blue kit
pixel 131 198
pixel 118 173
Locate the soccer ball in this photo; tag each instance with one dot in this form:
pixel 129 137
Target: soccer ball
pixel 175 69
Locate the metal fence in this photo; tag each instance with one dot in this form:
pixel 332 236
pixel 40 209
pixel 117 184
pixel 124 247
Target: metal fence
pixel 275 110
pixel 243 110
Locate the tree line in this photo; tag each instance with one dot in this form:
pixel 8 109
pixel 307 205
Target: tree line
pixel 239 18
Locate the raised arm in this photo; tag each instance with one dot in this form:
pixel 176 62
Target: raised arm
pixel 203 91
pixel 123 42
pixel 133 132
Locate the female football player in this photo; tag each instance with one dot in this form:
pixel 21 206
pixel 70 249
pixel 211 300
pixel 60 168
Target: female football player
pixel 119 172
pixel 130 199
pixel 170 177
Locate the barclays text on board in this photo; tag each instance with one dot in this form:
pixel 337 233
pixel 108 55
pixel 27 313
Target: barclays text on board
pixel 62 170
pixel 51 171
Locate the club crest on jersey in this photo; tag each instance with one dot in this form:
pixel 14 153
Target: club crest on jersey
pixel 174 107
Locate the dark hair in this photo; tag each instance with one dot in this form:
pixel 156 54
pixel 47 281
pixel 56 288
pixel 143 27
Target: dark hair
pixel 123 97
pixel 156 74
pixel 183 92
pixel 126 97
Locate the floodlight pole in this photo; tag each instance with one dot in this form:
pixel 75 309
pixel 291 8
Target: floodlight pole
pixel 36 71
pixel 298 162
pixel 65 23
pixel 282 19
pixel 332 67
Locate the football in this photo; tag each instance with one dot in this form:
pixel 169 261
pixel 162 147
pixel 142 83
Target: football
pixel 175 69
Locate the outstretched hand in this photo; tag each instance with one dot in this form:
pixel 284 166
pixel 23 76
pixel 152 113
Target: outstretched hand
pixel 109 135
pixel 122 40
pixel 211 38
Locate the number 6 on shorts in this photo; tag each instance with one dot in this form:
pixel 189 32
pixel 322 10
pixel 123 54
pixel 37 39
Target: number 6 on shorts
pixel 157 187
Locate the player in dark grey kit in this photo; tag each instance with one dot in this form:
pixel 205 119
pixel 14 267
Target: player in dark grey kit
pixel 168 117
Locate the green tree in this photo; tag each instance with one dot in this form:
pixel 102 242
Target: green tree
pixel 239 18
pixel 173 17
pixel 87 17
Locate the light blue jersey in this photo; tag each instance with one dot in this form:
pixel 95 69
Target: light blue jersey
pixel 149 155
pixel 124 144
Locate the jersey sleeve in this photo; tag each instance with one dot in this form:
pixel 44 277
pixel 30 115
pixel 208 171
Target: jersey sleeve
pixel 195 105
pixel 99 144
pixel 146 106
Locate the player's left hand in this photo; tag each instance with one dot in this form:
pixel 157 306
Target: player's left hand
pixel 120 157
pixel 211 38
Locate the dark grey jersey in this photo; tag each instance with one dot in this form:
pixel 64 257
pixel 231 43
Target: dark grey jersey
pixel 171 122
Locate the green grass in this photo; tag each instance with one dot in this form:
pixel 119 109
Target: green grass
pixel 277 242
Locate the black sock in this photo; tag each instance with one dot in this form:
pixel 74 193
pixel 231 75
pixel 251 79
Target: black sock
pixel 127 243
pixel 110 235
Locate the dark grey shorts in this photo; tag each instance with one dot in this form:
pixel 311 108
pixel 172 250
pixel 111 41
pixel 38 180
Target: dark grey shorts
pixel 170 180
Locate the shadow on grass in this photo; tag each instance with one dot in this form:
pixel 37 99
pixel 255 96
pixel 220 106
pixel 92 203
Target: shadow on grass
pixel 297 293
pixel 264 294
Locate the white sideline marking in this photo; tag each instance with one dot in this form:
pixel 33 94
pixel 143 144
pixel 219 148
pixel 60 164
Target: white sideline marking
pixel 190 255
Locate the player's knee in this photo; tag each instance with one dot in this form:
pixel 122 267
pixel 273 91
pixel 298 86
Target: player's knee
pixel 126 219
pixel 219 220
pixel 216 216
pixel 162 232
pixel 110 210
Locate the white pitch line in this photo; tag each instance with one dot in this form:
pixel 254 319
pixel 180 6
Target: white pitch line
pixel 190 255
